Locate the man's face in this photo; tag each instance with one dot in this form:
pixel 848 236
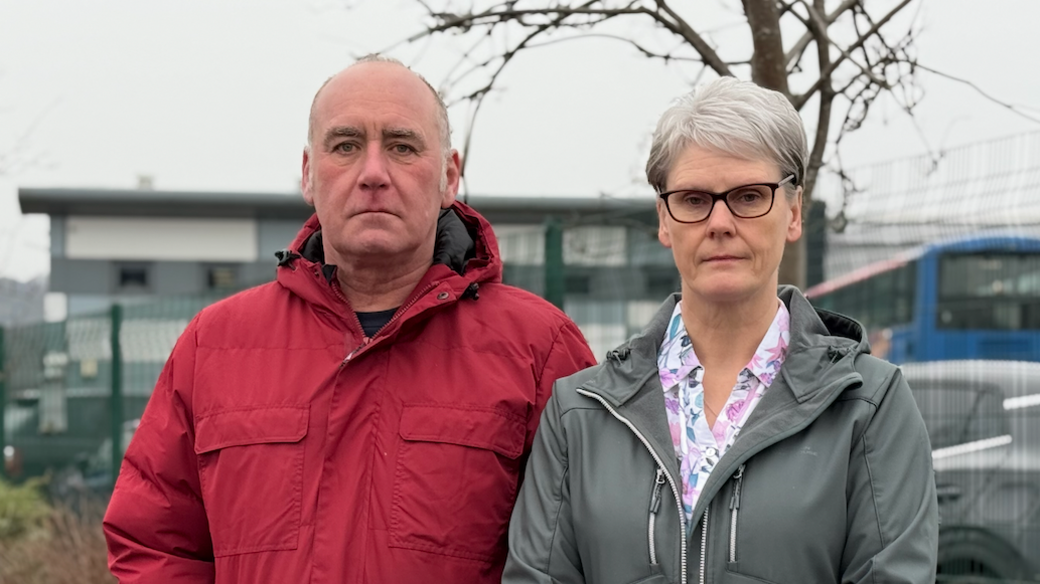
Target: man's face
pixel 375 167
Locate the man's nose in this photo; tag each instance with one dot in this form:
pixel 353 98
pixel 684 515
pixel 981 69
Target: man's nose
pixel 374 169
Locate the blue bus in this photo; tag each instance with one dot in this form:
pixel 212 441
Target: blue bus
pixel 969 298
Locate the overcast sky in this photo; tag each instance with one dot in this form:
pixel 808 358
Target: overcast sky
pixel 213 95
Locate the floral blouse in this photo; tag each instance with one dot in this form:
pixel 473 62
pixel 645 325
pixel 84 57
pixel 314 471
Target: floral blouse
pixel 697 446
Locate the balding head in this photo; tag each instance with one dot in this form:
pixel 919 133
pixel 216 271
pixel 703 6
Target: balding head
pixel 442 110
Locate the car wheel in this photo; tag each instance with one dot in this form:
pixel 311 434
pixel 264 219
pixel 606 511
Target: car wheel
pixel 976 557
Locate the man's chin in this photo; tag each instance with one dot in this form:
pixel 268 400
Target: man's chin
pixel 377 243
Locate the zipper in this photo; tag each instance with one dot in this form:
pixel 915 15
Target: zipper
pixel 365 339
pixel 655 504
pixel 660 465
pixel 734 506
pixel 704 543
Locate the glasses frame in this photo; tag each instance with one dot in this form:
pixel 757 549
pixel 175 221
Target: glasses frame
pixel 716 197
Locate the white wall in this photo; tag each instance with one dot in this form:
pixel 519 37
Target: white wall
pixel 130 238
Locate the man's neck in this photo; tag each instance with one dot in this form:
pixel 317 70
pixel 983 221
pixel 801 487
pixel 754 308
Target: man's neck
pixel 372 287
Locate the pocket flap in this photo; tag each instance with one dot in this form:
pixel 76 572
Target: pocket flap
pixel 260 425
pixel 475 426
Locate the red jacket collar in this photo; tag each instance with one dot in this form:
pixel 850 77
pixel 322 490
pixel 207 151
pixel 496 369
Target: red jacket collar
pixel 304 277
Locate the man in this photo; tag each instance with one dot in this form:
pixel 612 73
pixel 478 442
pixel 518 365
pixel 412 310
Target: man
pixel 366 417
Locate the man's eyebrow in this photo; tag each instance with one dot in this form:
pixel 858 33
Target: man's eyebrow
pixel 342 132
pixel 404 134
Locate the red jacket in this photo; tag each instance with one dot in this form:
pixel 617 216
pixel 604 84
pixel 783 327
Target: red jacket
pixel 279 448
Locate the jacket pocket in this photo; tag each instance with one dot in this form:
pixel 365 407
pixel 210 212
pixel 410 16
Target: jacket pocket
pixel 456 480
pixel 251 471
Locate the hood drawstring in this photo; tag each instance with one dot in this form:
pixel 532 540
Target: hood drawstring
pixel 835 355
pixel 286 257
pixel 471 291
pixel 619 355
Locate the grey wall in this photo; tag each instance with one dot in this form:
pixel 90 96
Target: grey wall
pixel 274 235
pixel 169 278
pixel 81 276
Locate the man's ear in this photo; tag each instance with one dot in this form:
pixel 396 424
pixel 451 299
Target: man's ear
pixel 452 176
pixel 305 179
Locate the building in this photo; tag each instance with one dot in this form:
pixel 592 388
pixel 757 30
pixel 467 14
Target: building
pixel 134 246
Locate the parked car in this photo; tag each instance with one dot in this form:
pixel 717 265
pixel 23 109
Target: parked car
pixel 983 418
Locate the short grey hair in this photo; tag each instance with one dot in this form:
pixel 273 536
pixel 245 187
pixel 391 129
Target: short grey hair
pixel 442 113
pixel 735 117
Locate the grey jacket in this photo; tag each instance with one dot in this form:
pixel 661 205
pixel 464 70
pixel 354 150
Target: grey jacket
pixel 830 480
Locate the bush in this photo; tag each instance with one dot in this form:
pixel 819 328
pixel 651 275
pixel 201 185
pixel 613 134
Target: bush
pixel 62 544
pixel 23 510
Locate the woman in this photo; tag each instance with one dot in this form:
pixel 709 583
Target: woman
pixel 743 436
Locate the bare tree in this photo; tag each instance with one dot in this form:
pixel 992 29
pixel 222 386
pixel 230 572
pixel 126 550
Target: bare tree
pixel 832 58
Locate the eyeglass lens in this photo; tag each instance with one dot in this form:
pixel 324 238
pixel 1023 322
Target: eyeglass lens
pixel 750 201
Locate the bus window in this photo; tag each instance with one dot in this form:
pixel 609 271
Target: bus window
pixel 877 302
pixel 995 291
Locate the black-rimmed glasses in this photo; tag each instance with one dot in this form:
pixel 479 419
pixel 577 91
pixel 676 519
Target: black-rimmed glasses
pixel 746 202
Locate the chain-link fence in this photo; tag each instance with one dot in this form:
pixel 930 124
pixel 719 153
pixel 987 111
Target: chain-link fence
pixel 939 258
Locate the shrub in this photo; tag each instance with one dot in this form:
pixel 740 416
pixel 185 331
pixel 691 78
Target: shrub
pixel 23 509
pixel 62 544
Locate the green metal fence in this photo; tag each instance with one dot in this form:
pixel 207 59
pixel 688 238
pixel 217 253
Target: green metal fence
pixel 72 389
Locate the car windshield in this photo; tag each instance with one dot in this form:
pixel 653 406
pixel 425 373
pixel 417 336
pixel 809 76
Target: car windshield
pixel 957 414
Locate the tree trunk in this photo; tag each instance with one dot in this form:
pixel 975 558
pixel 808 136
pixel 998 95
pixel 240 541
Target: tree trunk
pixel 768 62
pixel 768 69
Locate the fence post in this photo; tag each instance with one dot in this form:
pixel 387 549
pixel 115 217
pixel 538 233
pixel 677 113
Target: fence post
pixel 116 405
pixel 554 287
pixel 3 407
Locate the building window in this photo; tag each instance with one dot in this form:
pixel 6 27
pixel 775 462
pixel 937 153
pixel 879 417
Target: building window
pixel 133 277
pixel 577 284
pixel 221 277
pixel 661 283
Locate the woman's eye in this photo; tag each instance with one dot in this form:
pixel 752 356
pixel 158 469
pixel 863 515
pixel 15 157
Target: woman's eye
pixel 694 200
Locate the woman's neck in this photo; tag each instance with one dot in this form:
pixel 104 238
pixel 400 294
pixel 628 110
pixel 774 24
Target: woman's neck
pixel 726 335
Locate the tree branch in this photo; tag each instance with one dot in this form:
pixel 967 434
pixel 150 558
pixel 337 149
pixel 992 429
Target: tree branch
pixel 1003 104
pixel 794 56
pixel 818 28
pixel 493 16
pixel 683 29
pixel 646 52
pixel 821 25
pixel 800 100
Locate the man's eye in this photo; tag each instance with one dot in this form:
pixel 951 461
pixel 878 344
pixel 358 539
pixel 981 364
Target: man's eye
pixel 345 147
pixel 403 149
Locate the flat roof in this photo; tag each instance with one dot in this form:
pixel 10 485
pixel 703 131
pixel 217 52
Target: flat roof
pixel 145 203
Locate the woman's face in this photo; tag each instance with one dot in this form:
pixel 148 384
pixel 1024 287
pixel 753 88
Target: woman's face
pixel 727 259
